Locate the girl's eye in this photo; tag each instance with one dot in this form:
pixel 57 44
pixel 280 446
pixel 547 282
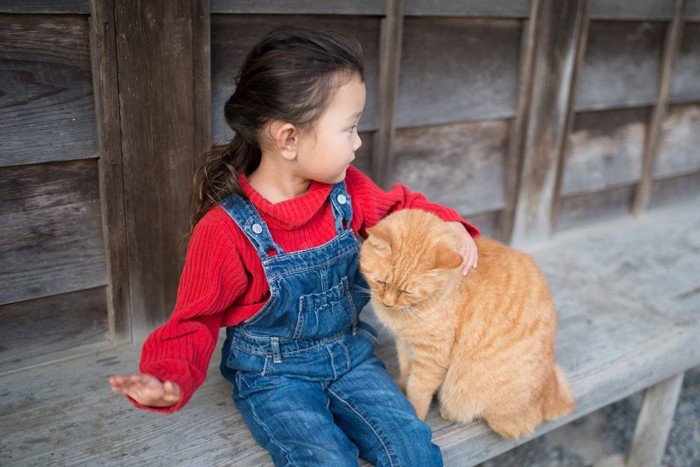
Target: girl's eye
pixel 352 129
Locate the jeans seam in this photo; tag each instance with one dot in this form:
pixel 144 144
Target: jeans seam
pixel 269 435
pixel 362 417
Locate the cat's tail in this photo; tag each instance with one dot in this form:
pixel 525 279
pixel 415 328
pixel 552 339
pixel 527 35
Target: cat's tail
pixel 559 401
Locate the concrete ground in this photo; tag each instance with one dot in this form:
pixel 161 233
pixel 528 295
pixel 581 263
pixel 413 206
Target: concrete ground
pixel 609 431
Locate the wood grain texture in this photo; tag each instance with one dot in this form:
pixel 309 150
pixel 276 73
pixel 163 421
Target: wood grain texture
pixel 673 190
pixel 679 143
pixel 615 338
pixel 466 8
pixel 50 230
pixel 621 66
pixel 686 85
pixel 604 150
pixel 627 10
pixel 456 69
pixel 110 166
pixel 578 210
pixel 458 165
pixel 45 6
pixel 298 7
pixel 232 37
pixel 48 325
pixel 558 31
pixel 46 101
pixel 156 102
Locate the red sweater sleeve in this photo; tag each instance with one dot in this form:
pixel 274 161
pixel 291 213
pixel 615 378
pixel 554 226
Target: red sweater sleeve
pixel 212 279
pixel 375 204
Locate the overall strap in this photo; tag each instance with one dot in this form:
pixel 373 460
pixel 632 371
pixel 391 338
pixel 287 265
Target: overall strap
pixel 249 221
pixel 342 208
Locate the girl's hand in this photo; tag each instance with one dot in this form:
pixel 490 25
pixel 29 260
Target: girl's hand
pixel 467 247
pixel 146 389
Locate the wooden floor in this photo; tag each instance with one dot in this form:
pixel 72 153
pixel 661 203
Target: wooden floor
pixel 603 277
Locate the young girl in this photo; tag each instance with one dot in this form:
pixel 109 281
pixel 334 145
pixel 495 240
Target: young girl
pixel 273 256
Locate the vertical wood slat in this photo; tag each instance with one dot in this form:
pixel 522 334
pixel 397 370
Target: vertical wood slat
pixel 571 113
pixel 201 45
pixel 110 166
pixel 517 129
pixel 389 68
pixel 155 53
pixel 672 44
pixel 558 30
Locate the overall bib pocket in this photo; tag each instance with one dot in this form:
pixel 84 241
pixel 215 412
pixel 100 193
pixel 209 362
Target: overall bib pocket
pixel 326 313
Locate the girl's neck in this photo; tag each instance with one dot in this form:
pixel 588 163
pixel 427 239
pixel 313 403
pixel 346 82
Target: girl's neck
pixel 277 184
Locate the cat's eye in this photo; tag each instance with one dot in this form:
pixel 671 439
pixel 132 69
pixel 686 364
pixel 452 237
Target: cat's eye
pixel 382 283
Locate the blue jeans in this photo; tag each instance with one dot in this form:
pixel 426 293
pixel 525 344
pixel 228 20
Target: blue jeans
pixel 312 423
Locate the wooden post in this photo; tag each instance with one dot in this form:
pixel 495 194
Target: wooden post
pixel 159 46
pixel 558 29
pixel 111 176
pixel 672 45
pixel 654 423
pixel 388 92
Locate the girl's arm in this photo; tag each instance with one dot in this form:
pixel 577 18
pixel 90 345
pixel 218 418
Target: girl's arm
pixel 176 356
pixel 374 204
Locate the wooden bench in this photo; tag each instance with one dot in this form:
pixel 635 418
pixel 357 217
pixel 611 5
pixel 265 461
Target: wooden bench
pixel 628 293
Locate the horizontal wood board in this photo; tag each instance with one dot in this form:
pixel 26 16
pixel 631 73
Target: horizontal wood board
pixel 670 191
pixel 679 147
pixel 459 165
pixel 47 325
pixel 50 230
pixel 467 8
pixel 232 37
pixel 621 65
pixel 615 338
pixel 604 150
pixel 685 85
pixel 576 211
pixel 45 6
pixel 457 69
pixel 47 110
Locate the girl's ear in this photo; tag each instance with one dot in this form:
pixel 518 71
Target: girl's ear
pixel 285 138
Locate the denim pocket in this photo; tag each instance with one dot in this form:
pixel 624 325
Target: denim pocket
pixel 326 313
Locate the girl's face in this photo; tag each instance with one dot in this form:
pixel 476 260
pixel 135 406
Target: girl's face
pixel 325 152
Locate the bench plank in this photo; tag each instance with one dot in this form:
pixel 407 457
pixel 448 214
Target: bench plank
pixel 624 326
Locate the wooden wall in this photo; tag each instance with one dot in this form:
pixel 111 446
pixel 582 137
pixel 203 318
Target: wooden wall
pixel 528 117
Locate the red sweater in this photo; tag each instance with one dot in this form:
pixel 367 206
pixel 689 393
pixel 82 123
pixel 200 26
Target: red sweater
pixel 223 282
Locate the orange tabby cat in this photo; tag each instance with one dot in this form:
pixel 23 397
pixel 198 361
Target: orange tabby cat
pixel 485 341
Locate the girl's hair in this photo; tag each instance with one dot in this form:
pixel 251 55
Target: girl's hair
pixel 289 75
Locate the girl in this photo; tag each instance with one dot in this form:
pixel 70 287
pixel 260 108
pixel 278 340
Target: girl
pixel 273 256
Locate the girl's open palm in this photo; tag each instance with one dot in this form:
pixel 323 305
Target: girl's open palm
pixel 146 389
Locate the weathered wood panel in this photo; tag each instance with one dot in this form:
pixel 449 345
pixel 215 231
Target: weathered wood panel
pixel 456 69
pixel 476 8
pixel 638 9
pixel 679 148
pixel 45 6
pixel 621 65
pixel 46 102
pixel 458 165
pixel 50 230
pixel 686 74
pixel 157 88
pixel 298 7
pixel 692 10
pixel 668 191
pixel 45 325
pixel 232 37
pixel 556 41
pixel 578 210
pixel 604 150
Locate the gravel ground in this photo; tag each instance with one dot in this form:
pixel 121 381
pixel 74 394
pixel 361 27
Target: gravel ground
pixel 609 431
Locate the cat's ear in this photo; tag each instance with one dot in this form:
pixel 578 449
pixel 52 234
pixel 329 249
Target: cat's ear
pixel 379 238
pixel 447 257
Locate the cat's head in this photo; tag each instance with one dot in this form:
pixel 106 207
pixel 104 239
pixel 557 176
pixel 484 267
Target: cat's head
pixel 408 257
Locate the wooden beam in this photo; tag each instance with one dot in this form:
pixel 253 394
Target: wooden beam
pixel 654 422
pixel 389 71
pixel 110 166
pixel 298 7
pixel 558 27
pixel 156 58
pixel 672 45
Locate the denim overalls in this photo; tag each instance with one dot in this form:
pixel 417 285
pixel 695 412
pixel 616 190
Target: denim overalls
pixel 303 371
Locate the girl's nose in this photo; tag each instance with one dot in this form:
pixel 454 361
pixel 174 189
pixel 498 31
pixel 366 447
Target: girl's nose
pixel 357 142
